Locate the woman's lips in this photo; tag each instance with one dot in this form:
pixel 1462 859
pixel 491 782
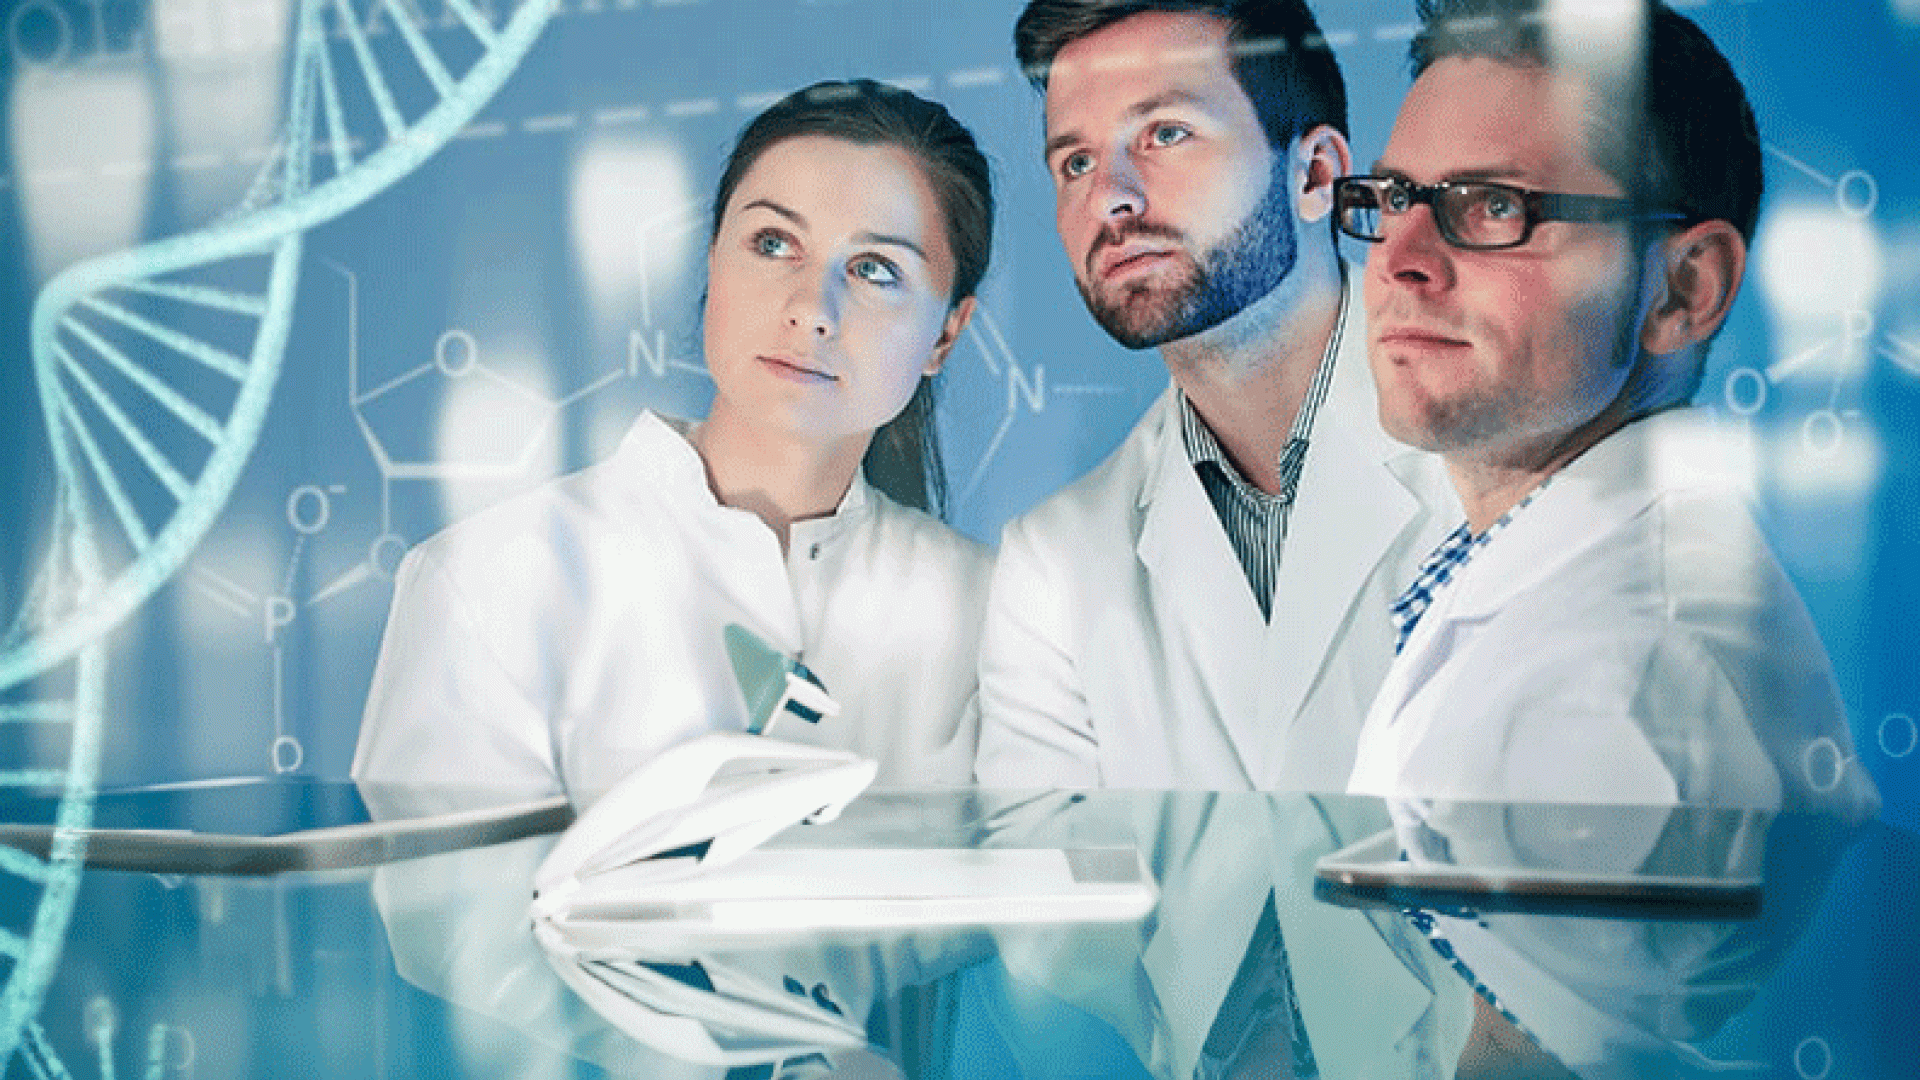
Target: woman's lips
pixel 795 370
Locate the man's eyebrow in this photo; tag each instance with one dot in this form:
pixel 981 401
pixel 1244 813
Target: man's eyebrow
pixel 1162 100
pixel 1133 112
pixel 1060 142
pixel 1491 172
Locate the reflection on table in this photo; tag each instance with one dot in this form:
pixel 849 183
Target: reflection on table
pixel 1419 940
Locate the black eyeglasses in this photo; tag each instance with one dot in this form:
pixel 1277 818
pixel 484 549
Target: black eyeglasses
pixel 1473 214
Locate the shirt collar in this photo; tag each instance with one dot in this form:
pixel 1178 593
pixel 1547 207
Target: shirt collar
pixel 1204 449
pixel 1202 446
pixel 1446 563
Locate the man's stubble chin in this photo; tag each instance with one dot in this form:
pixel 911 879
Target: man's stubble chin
pixel 1144 315
pixel 1212 286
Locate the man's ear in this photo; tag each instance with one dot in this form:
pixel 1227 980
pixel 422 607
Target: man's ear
pixel 950 331
pixel 1699 274
pixel 1320 157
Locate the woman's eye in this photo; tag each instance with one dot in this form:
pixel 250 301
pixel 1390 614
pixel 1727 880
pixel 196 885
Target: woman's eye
pixel 772 243
pixel 1168 134
pixel 1076 164
pixel 874 270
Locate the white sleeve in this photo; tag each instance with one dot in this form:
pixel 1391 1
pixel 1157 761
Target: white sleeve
pixel 1653 722
pixel 442 707
pixel 1035 728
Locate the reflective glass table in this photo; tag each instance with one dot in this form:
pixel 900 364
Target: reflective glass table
pixel 1280 935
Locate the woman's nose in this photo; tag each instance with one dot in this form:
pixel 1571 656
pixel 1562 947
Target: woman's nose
pixel 811 305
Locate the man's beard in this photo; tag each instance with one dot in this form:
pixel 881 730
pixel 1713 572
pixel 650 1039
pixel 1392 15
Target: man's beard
pixel 1254 258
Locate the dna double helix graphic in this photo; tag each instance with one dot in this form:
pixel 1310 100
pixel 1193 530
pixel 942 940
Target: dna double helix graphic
pixel 154 368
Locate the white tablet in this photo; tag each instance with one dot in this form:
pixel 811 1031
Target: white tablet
pixel 781 891
pixel 1372 873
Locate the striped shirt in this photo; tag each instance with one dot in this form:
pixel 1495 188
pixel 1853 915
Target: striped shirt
pixel 1256 522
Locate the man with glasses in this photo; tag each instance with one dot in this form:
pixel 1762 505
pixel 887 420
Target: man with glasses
pixel 1558 235
pixel 1560 222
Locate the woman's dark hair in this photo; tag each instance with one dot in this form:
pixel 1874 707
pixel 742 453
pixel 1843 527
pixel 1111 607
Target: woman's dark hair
pixel 904 458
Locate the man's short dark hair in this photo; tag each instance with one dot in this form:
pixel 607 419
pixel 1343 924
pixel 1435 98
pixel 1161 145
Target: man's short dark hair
pixel 1280 58
pixel 1689 142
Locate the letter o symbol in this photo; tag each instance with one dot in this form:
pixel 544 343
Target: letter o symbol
pixel 1836 769
pixel 17 29
pixel 288 754
pixel 1898 748
pixel 456 353
pixel 304 498
pixel 1813 1058
pixel 1745 404
pixel 1866 197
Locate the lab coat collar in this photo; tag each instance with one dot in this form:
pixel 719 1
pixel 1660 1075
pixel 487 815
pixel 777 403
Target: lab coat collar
pixel 1164 416
pixel 657 447
pixel 855 507
pixel 1200 597
pixel 1615 480
pixel 1357 490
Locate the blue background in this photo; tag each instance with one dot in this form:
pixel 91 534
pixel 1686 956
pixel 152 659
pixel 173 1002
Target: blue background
pixel 498 316
pixel 552 254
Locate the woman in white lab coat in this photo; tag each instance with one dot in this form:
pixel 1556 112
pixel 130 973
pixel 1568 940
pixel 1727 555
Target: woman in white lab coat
pixel 562 638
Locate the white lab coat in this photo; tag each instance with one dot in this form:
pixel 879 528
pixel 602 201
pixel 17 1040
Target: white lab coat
pixel 568 635
pixel 1123 647
pixel 1629 638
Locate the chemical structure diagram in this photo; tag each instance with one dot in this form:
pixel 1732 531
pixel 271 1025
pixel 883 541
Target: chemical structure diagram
pixel 1822 432
pixel 1747 389
pixel 246 264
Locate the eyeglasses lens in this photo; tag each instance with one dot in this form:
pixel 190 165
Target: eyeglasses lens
pixel 1481 215
pixel 1360 211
